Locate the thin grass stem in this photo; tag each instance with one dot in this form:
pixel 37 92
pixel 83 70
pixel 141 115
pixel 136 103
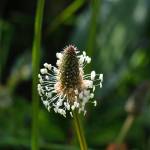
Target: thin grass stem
pixel 35 68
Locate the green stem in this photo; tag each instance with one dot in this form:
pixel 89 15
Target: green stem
pixel 79 131
pixel 35 67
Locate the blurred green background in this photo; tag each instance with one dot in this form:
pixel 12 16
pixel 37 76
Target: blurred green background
pixel 116 34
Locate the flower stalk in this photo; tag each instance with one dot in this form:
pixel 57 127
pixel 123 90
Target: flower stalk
pixel 79 131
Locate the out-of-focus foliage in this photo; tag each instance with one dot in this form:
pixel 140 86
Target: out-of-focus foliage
pixel 120 51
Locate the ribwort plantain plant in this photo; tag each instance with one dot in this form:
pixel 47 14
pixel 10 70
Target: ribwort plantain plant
pixel 66 89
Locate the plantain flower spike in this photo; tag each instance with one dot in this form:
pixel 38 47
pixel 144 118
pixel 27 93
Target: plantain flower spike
pixel 65 88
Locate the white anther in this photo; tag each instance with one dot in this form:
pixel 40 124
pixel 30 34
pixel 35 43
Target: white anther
pixel 59 55
pixel 49 108
pixel 72 107
pixel 93 74
pixel 91 95
pixel 81 60
pixel 95 103
pixel 58 62
pixel 39 76
pixel 43 71
pixel 101 77
pixel 90 84
pixel 47 77
pixel 88 59
pixel 84 53
pixel 49 94
pixel 85 112
pixel 59 103
pixel 71 114
pixel 45 103
pixel 48 66
pixel 100 85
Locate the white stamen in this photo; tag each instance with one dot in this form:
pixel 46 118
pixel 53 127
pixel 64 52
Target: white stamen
pixel 71 114
pixel 59 55
pixel 47 77
pixel 55 70
pixel 41 80
pixel 84 53
pixel 95 103
pixel 43 71
pixel 101 77
pixel 49 108
pixel 45 103
pixel 88 59
pixel 85 112
pixel 81 60
pixel 93 88
pixel 58 62
pixel 72 107
pixel 93 74
pixel 100 85
pixel 49 94
pixel 48 66
pixel 39 76
pixel 91 95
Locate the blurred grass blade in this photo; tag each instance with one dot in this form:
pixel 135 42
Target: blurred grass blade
pixel 126 126
pixel 35 68
pixel 65 14
pixel 92 28
pixel 21 70
pixel 6 32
